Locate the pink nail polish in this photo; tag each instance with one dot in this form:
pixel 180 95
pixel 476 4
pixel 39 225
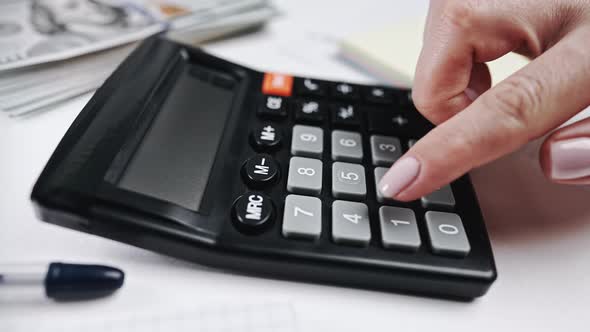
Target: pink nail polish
pixel 471 94
pixel 399 176
pixel 570 159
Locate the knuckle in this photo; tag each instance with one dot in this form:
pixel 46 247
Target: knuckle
pixel 422 100
pixel 460 14
pixel 518 99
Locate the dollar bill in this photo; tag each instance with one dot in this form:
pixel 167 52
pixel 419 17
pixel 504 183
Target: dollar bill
pixel 40 31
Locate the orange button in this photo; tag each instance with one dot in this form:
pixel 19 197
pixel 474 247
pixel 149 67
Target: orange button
pixel 277 84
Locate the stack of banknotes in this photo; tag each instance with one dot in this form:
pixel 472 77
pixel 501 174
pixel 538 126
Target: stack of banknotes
pixel 55 50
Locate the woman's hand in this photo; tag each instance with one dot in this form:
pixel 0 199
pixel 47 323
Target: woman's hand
pixel 478 124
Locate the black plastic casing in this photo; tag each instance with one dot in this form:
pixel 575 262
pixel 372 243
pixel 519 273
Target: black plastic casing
pixel 76 190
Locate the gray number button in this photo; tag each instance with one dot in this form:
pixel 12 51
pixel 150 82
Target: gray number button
pixel 398 228
pixel 305 176
pixel 302 217
pixel 348 181
pixel 385 150
pixel 447 235
pixel 307 141
pixel 346 146
pixel 442 197
pixel 350 223
pixel 379 173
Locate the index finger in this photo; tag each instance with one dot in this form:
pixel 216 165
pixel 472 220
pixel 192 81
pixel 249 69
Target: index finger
pixel 459 37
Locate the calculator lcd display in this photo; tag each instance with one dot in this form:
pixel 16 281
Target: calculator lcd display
pixel 174 159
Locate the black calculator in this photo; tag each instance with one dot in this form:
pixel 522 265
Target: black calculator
pixel 192 156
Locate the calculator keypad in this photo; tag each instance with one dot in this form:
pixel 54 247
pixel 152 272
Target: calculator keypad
pixel 347 146
pixel 399 229
pixel 446 232
pixel 345 91
pixel 310 111
pixel 277 84
pixel 307 141
pixel 350 223
pixel 345 115
pixel 260 170
pixel 273 107
pixel 305 176
pixel 309 87
pixel 348 181
pixel 441 198
pixel 353 119
pixel 266 137
pixel 379 95
pixel 253 211
pixel 303 217
pixel 387 122
pixel 378 173
pixel 385 150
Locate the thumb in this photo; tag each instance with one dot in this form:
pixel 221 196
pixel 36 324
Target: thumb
pixel 565 154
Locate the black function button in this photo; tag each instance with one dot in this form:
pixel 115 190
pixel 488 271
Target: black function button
pixel 407 124
pixel 260 170
pixel 273 106
pixel 388 122
pixel 345 91
pixel 404 97
pixel 252 212
pixel 345 115
pixel 309 111
pixel 309 87
pixel 266 138
pixel 379 95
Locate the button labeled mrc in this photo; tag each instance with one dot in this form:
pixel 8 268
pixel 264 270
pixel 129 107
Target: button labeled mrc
pixel 277 84
pixel 252 212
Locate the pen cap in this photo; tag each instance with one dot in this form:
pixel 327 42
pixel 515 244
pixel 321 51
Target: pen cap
pixel 78 281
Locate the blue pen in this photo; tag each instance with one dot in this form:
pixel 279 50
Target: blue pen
pixel 64 281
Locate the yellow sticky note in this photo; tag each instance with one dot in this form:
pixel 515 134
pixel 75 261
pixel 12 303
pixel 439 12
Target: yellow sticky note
pixel 390 53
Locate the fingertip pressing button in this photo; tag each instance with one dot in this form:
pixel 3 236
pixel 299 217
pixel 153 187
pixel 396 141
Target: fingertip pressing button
pixel 379 172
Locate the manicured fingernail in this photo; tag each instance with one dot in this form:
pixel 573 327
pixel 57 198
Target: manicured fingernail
pixel 471 94
pixel 399 176
pixel 570 159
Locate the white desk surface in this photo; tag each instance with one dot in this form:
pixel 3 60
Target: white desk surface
pixel 541 244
